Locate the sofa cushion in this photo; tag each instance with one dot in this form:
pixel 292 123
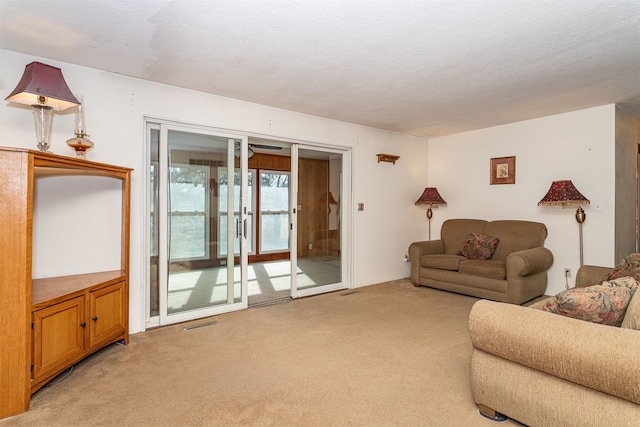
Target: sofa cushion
pixel 492 268
pixel 605 303
pixel 441 261
pixel 515 235
pixel 454 231
pixel 629 266
pixel 478 246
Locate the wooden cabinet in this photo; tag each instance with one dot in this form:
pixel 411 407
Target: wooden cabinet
pixel 106 319
pixel 48 324
pixel 58 338
pixel 67 331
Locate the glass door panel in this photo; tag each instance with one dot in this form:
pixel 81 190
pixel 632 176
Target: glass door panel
pixel 223 223
pixel 153 296
pixel 200 263
pixel 319 255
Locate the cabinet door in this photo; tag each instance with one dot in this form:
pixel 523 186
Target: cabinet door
pixel 58 336
pixel 106 312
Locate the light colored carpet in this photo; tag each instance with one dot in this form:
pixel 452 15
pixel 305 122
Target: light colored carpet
pixel 383 355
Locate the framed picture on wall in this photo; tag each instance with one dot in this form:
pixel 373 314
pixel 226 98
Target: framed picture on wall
pixel 503 170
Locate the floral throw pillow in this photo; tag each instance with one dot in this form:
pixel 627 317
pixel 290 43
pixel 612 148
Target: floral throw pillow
pixel 605 303
pixel 478 246
pixel 629 266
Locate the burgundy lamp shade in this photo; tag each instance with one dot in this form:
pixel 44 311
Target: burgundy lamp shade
pixel 43 85
pixel 563 193
pixel 430 196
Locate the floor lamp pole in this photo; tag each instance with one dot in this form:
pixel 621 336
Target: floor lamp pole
pixel 429 215
pixel 580 217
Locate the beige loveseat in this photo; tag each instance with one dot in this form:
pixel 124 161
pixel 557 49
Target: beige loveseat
pixel 516 273
pixel 545 369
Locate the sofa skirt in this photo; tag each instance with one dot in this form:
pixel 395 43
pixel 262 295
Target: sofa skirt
pixel 535 398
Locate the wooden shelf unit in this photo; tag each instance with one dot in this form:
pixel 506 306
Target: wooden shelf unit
pixel 84 311
pixel 390 158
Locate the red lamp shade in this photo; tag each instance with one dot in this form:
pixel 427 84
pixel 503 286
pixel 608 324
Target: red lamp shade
pixel 43 85
pixel 430 196
pixel 563 193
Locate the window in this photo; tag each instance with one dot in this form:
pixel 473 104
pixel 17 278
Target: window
pixel 274 211
pixel 189 209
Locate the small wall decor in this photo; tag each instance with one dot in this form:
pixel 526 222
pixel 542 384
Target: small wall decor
pixel 387 158
pixel 503 170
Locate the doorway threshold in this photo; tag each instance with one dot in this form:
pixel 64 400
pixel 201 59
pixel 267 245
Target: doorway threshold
pixel 271 302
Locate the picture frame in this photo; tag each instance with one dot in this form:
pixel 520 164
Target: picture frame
pixel 503 170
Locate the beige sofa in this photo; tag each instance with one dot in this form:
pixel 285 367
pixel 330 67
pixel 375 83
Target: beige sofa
pixel 516 273
pixel 544 369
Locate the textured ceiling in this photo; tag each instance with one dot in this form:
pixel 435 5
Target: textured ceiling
pixel 428 67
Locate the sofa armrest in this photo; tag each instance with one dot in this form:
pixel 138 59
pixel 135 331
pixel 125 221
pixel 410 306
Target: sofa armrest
pixel 529 261
pixel 425 248
pixel 591 275
pixel 417 250
pixel 599 357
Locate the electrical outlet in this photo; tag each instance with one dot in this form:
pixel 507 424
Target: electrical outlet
pixel 567 272
pixel 597 206
pixel 310 245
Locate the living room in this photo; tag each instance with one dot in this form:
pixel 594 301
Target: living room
pixel 595 146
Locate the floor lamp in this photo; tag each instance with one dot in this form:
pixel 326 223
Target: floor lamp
pixel 564 193
pixel 431 197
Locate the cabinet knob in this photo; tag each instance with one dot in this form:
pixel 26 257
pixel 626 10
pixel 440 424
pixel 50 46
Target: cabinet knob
pixel 83 324
pixel 94 318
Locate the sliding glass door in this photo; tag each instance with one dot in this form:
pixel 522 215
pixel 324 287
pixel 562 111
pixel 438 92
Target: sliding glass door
pixel 200 212
pixel 226 231
pixel 320 238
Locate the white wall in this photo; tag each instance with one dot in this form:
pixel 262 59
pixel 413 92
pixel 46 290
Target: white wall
pixel 116 106
pixel 579 146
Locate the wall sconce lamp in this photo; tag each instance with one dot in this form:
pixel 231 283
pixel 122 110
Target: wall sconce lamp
pixel 43 88
pixel 431 197
pixel 564 193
